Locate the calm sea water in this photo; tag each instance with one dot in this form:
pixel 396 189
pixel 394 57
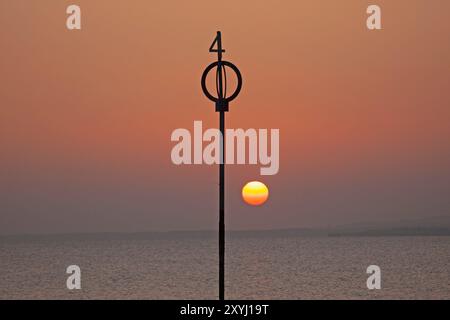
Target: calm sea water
pixel 256 267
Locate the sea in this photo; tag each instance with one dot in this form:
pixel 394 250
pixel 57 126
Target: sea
pixel 258 266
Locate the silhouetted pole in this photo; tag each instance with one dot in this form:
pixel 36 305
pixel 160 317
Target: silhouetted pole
pixel 222 210
pixel 221 106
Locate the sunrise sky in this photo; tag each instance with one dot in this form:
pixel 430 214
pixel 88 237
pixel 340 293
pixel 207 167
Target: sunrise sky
pixel 86 116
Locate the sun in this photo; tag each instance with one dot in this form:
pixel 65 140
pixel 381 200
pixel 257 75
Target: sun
pixel 255 193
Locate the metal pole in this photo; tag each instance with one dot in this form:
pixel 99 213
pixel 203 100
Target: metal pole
pixel 222 210
pixel 221 102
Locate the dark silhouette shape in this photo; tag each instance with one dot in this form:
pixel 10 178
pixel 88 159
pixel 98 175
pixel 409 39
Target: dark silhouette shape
pixel 221 106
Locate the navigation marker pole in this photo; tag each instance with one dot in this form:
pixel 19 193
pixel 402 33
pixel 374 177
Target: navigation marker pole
pixel 221 102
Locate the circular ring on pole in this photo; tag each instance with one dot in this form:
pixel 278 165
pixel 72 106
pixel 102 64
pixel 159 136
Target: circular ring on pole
pixel 224 100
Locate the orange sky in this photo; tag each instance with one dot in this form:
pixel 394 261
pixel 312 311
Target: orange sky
pixel 86 116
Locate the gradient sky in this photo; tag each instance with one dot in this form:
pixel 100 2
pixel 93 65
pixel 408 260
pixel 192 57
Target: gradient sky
pixel 86 116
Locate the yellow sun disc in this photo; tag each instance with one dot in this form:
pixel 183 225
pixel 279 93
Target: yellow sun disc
pixel 255 193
